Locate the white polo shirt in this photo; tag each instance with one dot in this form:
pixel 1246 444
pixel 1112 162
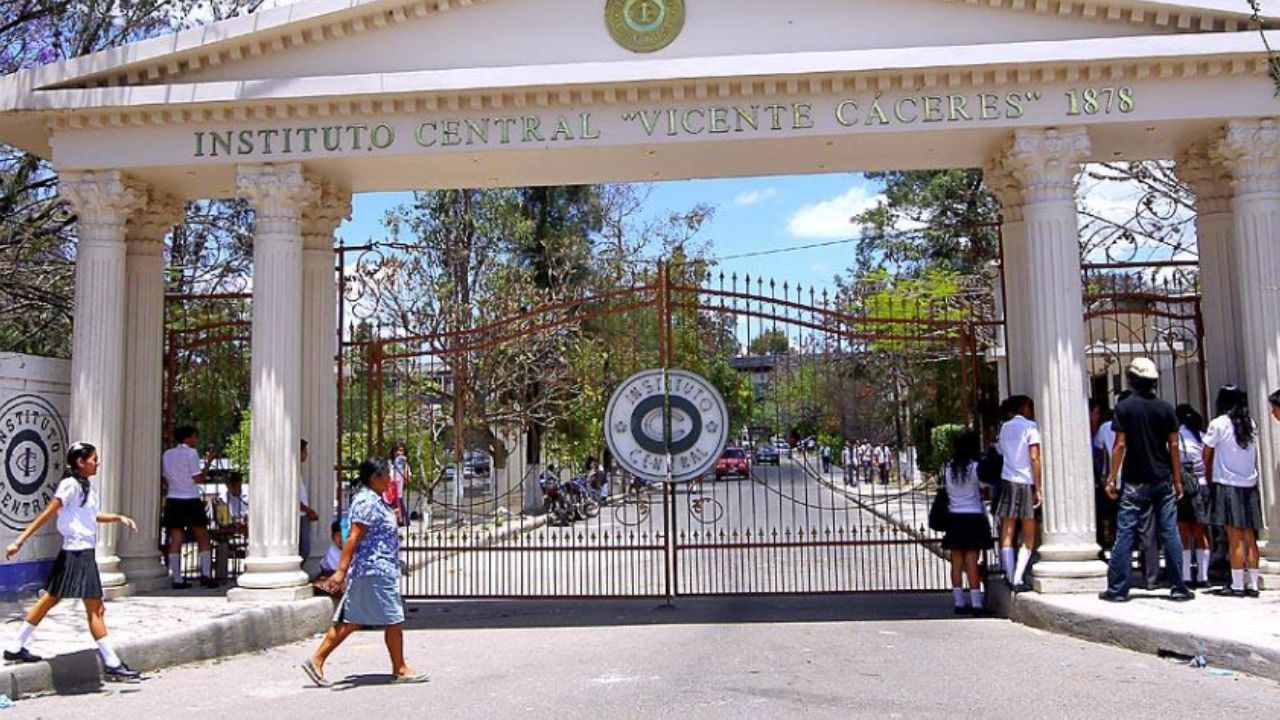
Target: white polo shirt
pixel 77 523
pixel 1232 464
pixel 180 465
pixel 1016 438
pixel 964 492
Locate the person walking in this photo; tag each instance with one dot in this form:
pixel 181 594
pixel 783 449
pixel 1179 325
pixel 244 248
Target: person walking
pixel 1231 466
pixel 183 507
pixel 1193 509
pixel 1146 451
pixel 968 530
pixel 369 577
pixel 396 495
pixel 1020 493
pixel 846 462
pixel 75 570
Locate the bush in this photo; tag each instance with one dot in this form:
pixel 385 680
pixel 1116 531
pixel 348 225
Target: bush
pixel 940 441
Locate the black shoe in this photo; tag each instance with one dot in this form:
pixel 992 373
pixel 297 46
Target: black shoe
pixel 22 656
pixel 1181 595
pixel 1252 593
pixel 962 610
pixel 121 673
pixel 1197 584
pixel 208 582
pixel 1112 597
pixel 1022 587
pixel 1228 591
pixel 979 612
pixel 181 585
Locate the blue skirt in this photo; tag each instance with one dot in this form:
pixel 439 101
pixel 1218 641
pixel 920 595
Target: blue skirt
pixel 372 601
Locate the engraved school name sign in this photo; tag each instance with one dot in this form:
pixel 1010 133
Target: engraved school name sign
pixel 853 114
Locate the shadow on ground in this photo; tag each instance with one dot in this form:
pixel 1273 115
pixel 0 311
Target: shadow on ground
pixel 495 614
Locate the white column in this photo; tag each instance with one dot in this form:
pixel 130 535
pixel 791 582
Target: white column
pixel 143 377
pixel 1251 152
pixel 1215 226
pixel 103 203
pixel 1045 163
pixel 319 368
pixel 279 194
pixel 1013 232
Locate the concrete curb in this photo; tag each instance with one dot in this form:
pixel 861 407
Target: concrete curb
pixel 248 630
pixel 1229 653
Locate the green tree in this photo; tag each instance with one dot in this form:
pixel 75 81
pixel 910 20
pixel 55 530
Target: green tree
pixel 770 342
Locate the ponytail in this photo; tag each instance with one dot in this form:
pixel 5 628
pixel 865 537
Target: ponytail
pixel 77 453
pixel 1234 403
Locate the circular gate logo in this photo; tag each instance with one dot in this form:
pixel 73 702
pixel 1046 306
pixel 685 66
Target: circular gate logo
pixel 644 26
pixel 635 425
pixel 32 442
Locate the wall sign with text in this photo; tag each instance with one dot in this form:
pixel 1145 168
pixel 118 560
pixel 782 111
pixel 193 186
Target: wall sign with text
pixel 33 441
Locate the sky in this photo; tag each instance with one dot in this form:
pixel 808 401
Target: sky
pixel 777 215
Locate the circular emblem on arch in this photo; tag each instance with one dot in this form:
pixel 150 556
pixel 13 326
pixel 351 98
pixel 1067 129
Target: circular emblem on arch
pixel 644 26
pixel 33 440
pixel 636 421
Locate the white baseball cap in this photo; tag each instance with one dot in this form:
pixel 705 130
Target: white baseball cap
pixel 1144 368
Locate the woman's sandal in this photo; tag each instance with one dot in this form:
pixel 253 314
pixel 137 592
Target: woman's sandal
pixel 316 677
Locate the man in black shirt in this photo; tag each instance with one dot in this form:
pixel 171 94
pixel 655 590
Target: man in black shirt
pixel 1146 453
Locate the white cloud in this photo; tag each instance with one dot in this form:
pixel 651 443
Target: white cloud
pixel 829 219
pixel 755 197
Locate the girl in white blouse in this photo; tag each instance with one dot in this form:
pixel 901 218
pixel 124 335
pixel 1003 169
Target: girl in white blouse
pixel 1231 466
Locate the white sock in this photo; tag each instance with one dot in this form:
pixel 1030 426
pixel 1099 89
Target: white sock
pixel 1006 561
pixel 1253 578
pixel 1024 559
pixel 976 599
pixel 175 566
pixel 109 658
pixel 1186 566
pixel 206 565
pixel 1237 579
pixel 958 595
pixel 1202 565
pixel 25 633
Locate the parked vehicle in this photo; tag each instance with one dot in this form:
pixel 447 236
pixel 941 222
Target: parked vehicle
pixel 768 455
pixel 477 463
pixel 783 449
pixel 734 461
pixel 555 501
pixel 584 500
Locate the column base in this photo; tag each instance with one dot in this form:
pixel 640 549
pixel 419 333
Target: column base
pixel 264 596
pixel 109 571
pixel 1059 577
pixel 115 592
pixel 274 573
pixel 145 573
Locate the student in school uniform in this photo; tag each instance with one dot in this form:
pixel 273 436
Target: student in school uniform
pixel 1231 466
pixel 183 506
pixel 968 530
pixel 1020 493
pixel 1193 510
pixel 75 570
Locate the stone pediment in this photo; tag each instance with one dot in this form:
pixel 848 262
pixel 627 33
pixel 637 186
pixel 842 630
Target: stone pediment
pixel 329 38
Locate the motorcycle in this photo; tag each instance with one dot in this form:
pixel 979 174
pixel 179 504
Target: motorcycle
pixel 555 500
pixel 583 501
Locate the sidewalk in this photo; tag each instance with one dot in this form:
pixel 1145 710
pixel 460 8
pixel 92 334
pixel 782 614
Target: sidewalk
pixel 150 632
pixel 1229 633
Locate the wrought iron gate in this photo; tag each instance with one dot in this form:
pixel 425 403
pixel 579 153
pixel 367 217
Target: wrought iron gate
pixel 487 403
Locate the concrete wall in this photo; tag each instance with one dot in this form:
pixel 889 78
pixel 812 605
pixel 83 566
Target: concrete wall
pixel 34 405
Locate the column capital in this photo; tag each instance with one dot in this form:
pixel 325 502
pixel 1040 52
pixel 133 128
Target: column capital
pixel 322 221
pixel 1006 187
pixel 103 201
pixel 278 194
pixel 1045 162
pixel 1250 150
pixel 1208 178
pixel 153 221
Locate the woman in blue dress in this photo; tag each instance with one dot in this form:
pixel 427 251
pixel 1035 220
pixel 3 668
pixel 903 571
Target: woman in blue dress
pixel 369 575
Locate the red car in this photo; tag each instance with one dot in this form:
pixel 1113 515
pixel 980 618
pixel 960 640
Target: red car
pixel 734 461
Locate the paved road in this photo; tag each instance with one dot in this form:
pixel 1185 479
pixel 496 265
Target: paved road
pixel 778 531
pixel 873 657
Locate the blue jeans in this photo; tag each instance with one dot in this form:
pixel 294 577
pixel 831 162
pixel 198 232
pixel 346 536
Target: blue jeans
pixel 1133 503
